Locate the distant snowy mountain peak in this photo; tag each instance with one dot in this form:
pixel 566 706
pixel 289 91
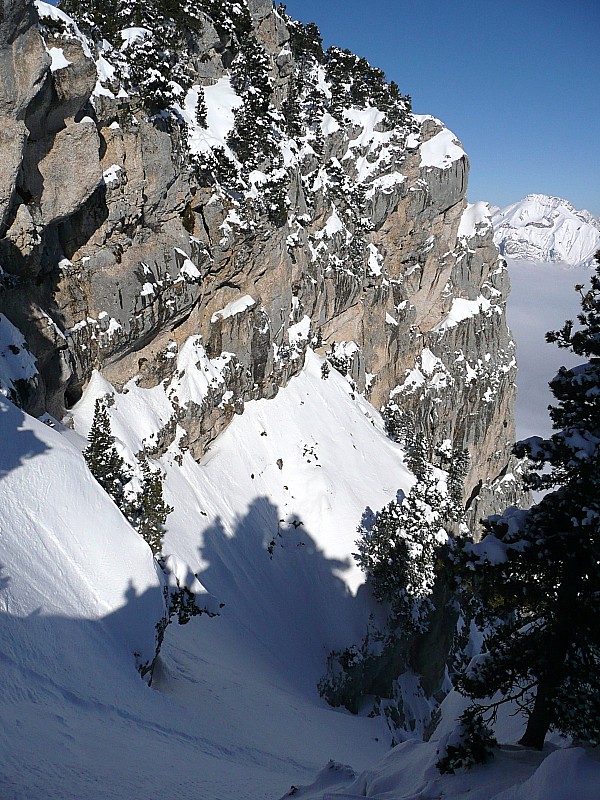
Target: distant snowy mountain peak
pixel 543 228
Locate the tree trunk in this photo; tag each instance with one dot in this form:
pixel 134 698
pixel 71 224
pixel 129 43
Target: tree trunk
pixel 539 721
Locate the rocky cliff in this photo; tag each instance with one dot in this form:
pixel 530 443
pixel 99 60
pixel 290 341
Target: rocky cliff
pixel 210 172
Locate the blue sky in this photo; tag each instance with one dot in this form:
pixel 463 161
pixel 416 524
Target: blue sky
pixel 518 82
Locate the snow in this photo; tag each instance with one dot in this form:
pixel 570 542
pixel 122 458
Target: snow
pixel 234 702
pixel 59 60
pixel 221 101
pixel 106 71
pixel 408 771
pixel 333 225
pixel 329 124
pixel 132 35
pixel 375 262
pixel 235 307
pixel 188 269
pixel 16 362
pixel 112 175
pixel 80 595
pixel 542 228
pixel 441 151
pixel 476 219
pixel 47 10
pixel 300 331
pixel 463 309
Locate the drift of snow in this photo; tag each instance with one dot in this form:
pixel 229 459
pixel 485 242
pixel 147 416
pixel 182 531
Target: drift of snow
pixel 463 309
pixel 476 219
pixel 441 151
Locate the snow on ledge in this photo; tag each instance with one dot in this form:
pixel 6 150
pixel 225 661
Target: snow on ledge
pixel 461 310
pixel 235 307
pixel 441 151
pixel 476 218
pixel 59 60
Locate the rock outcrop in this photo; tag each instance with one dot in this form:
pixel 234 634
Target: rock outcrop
pixel 126 231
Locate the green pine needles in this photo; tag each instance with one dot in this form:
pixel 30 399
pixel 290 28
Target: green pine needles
pixel 101 455
pixel 536 574
pixel 147 511
pixel 150 511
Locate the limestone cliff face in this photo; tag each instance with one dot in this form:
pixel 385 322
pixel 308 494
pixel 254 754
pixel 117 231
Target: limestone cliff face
pixel 121 239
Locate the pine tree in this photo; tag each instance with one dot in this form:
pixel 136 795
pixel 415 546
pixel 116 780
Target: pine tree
pixel 149 512
pixel 398 550
pixel 201 110
pixel 537 572
pixel 457 472
pixel 252 135
pixel 105 464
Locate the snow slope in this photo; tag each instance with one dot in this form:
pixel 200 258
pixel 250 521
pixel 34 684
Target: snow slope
pixel 542 228
pixel 234 705
pixel 233 711
pixel 409 772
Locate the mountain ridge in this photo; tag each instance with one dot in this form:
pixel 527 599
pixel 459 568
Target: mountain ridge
pixel 545 228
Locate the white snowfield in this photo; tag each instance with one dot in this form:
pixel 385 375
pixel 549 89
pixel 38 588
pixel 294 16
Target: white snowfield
pixel 543 228
pixel 267 523
pixel 234 704
pixel 263 529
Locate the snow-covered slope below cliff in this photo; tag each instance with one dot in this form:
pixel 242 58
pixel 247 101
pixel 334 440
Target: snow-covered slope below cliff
pixel 543 228
pixel 234 709
pixel 237 704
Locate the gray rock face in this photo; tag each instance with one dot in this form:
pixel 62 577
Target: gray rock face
pixel 116 251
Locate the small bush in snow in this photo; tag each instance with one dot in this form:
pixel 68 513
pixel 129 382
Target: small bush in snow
pixel 471 744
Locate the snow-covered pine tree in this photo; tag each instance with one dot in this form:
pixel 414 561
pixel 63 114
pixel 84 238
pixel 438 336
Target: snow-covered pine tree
pixel 101 455
pixel 149 512
pixel 537 572
pixel 399 550
pixel 252 135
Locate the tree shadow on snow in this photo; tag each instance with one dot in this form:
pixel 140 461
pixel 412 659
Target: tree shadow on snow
pixel 66 682
pixel 17 444
pixel 282 591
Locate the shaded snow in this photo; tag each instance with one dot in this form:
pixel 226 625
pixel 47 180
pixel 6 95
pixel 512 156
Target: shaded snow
pixel 16 362
pixel 236 704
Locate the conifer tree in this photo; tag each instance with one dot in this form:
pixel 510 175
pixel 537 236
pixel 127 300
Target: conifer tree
pixel 201 110
pixel 105 464
pixel 399 548
pixel 537 572
pixel 150 511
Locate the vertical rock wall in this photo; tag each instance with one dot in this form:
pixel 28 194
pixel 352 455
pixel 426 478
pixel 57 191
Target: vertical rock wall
pixel 114 251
